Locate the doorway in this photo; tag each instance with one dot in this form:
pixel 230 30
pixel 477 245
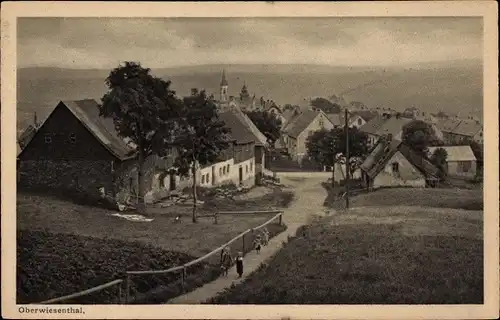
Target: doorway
pixel 172 182
pixel 240 176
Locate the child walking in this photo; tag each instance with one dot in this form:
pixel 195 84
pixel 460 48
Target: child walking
pixel 257 243
pixel 239 264
pixel 225 261
pixel 265 237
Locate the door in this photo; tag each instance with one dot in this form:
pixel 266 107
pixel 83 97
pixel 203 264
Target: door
pixel 240 175
pixel 172 182
pixel 213 175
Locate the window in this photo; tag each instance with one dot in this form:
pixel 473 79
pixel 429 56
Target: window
pixel 203 179
pixel 311 133
pixel 227 169
pixel 208 177
pixel 321 122
pixel 464 166
pixel 246 168
pixel 220 171
pixel 48 138
pixel 251 166
pixel 395 167
pixel 72 138
pixel 162 181
pixel 360 121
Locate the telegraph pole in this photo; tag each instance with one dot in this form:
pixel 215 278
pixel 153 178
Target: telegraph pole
pixel 346 160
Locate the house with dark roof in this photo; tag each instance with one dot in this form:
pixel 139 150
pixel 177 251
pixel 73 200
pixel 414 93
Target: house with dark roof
pixel 338 119
pixel 302 126
pixel 456 131
pixel 393 164
pixel 247 163
pixel 381 126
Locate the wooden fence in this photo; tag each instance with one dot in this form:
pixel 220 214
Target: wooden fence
pixel 123 294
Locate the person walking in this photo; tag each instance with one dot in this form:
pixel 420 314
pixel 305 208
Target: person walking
pixel 239 264
pixel 225 261
pixel 257 244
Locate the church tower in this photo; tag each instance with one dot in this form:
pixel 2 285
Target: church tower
pixel 223 88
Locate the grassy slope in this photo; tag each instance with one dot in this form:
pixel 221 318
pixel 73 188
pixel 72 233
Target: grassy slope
pixel 439 198
pixel 385 254
pixel 37 212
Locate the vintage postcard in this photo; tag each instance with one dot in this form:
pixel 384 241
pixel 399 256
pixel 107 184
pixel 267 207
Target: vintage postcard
pixel 250 160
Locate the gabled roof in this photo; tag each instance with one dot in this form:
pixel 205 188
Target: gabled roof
pixel 468 128
pixel 299 123
pixel 367 115
pixel 103 129
pixel 26 136
pixel 87 111
pixel 383 152
pixel 447 125
pixel 456 153
pixel 261 139
pixel 382 126
pixel 240 132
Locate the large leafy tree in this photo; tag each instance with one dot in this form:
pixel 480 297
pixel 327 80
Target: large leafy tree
pixel 268 123
pixel 419 135
pixel 201 139
pixel 329 148
pixel 438 158
pixel 142 107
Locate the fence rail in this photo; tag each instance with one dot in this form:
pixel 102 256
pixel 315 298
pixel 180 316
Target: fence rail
pixel 128 281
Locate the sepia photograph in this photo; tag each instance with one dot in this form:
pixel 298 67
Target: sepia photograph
pixel 249 160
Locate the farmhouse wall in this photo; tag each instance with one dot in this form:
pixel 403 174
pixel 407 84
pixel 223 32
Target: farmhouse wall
pixel 408 175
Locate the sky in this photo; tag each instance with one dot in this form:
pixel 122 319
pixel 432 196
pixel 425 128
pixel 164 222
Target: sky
pixel 103 43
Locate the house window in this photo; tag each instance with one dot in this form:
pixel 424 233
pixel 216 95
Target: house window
pixel 208 177
pixel 220 171
pixel 227 171
pixel 48 138
pixel 360 122
pixel 251 166
pixel 162 181
pixel 321 122
pixel 203 179
pixel 246 168
pixel 395 167
pixel 311 133
pixel 465 166
pixel 72 138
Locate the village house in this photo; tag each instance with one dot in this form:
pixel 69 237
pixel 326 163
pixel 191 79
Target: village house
pixel 381 126
pixel 300 127
pixel 389 124
pixel 460 161
pixel 338 119
pixel 457 131
pixel 77 151
pixel 392 164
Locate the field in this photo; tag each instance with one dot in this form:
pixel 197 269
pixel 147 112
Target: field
pixel 438 198
pixel 377 253
pixel 64 248
pixel 454 89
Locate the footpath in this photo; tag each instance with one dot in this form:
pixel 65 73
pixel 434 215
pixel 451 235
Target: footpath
pixel 309 197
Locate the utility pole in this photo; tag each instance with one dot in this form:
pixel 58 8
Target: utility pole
pixel 347 171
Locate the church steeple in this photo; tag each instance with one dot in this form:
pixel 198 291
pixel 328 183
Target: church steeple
pixel 223 87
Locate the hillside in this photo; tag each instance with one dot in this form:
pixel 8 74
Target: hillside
pixel 433 87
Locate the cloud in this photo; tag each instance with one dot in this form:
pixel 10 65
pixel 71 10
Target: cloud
pixel 157 42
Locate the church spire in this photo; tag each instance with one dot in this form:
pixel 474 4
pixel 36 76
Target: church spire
pixel 223 82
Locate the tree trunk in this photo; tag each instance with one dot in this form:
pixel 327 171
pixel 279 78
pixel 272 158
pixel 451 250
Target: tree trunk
pixel 333 175
pixel 195 198
pixel 141 204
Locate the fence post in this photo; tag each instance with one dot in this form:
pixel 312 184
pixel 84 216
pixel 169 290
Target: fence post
pixel 183 278
pixel 127 288
pixel 120 297
pixel 281 219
